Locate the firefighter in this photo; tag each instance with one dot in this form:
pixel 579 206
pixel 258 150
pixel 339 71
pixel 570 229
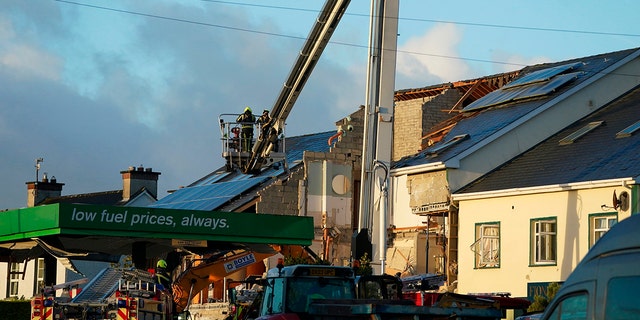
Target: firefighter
pixel 246 120
pixel 264 120
pixel 162 275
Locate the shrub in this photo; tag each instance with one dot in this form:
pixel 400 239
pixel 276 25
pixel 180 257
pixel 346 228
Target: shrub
pixel 540 302
pixel 15 309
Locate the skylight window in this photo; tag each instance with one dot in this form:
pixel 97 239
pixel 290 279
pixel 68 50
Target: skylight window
pixel 628 131
pixel 580 132
pixel 453 141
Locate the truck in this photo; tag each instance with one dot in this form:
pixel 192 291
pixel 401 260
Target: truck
pixel 604 285
pixel 113 294
pixel 333 292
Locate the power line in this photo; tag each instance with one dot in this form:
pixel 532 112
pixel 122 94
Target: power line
pixel 487 25
pixel 335 42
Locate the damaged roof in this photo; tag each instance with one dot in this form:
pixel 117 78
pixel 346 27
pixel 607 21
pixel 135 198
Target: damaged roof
pixel 224 190
pixel 535 87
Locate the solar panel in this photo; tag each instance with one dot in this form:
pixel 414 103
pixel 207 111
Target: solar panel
pixel 542 75
pixel 545 88
pixel 447 144
pixel 207 197
pixel 521 92
pixel 214 177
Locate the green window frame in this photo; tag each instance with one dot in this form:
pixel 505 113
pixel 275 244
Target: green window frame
pixel 544 241
pixel 599 224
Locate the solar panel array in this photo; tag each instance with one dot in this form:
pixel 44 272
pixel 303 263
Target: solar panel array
pixel 536 84
pixel 207 197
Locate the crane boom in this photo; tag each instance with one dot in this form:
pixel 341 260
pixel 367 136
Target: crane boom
pixel 378 132
pixel 317 40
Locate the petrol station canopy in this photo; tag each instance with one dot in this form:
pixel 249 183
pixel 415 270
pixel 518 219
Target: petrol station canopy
pixel 103 233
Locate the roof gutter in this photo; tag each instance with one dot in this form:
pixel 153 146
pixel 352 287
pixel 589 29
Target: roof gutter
pixel 623 182
pixel 435 166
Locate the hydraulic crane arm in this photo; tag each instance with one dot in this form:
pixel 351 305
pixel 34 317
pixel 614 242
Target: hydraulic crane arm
pixel 197 278
pixel 317 40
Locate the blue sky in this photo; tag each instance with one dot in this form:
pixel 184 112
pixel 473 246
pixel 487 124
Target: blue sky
pixel 96 86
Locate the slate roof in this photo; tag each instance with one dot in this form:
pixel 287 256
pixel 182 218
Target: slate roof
pixel 218 189
pixel 598 155
pixel 478 124
pixel 113 198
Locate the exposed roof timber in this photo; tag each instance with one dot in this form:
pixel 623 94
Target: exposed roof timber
pixel 480 86
pixel 440 130
pixel 458 104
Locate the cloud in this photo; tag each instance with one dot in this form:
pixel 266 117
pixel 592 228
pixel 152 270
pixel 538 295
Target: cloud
pixel 431 58
pixel 513 61
pixel 23 59
pixel 96 96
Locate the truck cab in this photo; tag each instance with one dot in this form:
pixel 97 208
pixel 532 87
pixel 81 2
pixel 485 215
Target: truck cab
pixel 288 291
pixel 605 283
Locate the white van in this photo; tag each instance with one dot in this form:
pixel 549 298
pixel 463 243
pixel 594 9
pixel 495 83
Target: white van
pixel 606 283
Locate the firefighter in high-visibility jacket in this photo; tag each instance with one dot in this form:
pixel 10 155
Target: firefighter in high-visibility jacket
pixel 162 275
pixel 247 120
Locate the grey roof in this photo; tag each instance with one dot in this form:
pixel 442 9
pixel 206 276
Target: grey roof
pixel 113 197
pixel 598 155
pixel 479 123
pixel 221 187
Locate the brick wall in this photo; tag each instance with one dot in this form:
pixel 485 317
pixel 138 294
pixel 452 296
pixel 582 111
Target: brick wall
pixel 282 196
pixel 414 118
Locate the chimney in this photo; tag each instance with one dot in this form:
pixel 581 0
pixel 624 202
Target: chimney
pixel 38 191
pixel 134 179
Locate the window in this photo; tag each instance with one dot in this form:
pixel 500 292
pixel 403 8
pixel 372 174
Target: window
pixel 628 131
pixel 487 245
pixel 39 276
pixel 580 132
pixel 571 307
pixel 272 302
pixel 622 298
pixel 599 224
pixel 14 280
pixel 543 241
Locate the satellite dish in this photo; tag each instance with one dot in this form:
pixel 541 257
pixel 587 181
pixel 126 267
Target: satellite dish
pixel 621 202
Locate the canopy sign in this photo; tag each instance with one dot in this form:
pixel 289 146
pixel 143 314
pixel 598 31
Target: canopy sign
pixel 77 219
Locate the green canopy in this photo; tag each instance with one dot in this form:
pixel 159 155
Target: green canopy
pixel 77 229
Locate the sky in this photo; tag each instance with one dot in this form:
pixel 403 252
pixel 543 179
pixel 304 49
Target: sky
pixel 96 86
